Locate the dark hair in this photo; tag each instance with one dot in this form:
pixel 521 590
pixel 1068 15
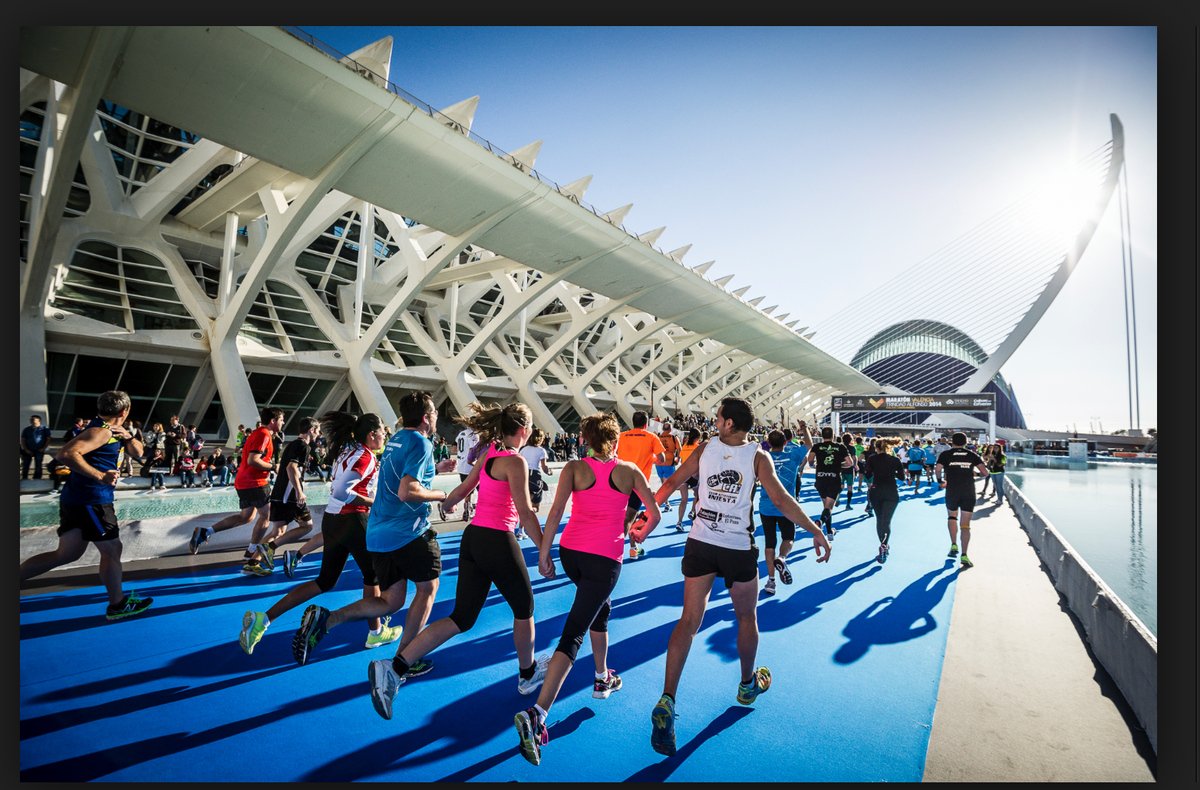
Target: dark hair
pixel 787 434
pixel 305 424
pixel 269 413
pixel 413 408
pixel 494 423
pixel 958 439
pixel 776 439
pixel 639 419
pixel 847 440
pixel 740 411
pixel 827 433
pixel 112 403
pixel 600 431
pixel 693 437
pixel 341 428
pixel 537 437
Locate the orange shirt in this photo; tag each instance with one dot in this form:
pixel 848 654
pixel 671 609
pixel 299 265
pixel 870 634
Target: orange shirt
pixel 670 442
pixel 259 441
pixel 687 450
pixel 639 447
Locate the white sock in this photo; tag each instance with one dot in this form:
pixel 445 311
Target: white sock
pixel 602 675
pixel 266 622
pixel 252 548
pixel 377 631
pixel 541 713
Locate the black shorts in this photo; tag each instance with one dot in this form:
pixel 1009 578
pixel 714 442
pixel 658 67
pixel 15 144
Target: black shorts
pixel 289 511
pixel 770 523
pixel 829 487
pixel 463 478
pixel 733 565
pixel 96 522
pixel 635 501
pixel 960 499
pixel 254 497
pixel 693 483
pixel 419 560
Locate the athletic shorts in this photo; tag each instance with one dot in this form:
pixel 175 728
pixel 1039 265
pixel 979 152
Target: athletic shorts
pixel 463 478
pixel 254 497
pixel 693 482
pixel 419 560
pixel 289 511
pixel 664 471
pixel 96 522
pixel 733 565
pixel 787 530
pixel 915 467
pixel 960 499
pixel 635 501
pixel 828 487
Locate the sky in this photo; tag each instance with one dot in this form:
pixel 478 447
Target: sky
pixel 815 163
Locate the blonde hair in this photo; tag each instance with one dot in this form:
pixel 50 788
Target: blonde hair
pixel 888 444
pixel 492 424
pixel 600 431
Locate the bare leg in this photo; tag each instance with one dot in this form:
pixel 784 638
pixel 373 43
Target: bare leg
pixel 560 667
pixel 418 614
pixel 236 520
pixel 372 591
pixel 71 547
pixel 744 596
pixel 600 650
pixel 695 597
pixel 965 526
pixel 785 548
pixel 431 638
pixel 295 533
pixel 770 554
pixel 390 602
pixel 952 524
pixel 683 500
pixel 110 568
pixel 314 543
pixel 523 641
pixel 295 596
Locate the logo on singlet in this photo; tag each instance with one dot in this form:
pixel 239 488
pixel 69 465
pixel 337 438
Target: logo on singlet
pixel 727 480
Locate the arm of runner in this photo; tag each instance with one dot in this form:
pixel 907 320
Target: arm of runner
pixel 411 490
pixel 465 487
pixel 808 442
pixel 297 478
pixel 255 460
pixel 937 471
pixel 445 465
pixel 515 472
pixel 71 455
pixel 653 513
pixel 545 468
pixel 689 469
pixel 566 484
pixel 764 470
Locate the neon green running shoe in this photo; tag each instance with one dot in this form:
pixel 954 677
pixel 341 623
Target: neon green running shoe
pixel 254 625
pixel 387 634
pixel 760 681
pixel 268 555
pixel 966 563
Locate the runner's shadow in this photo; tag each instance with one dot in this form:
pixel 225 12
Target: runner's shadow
pixel 892 620
pixel 662 770
pixel 558 730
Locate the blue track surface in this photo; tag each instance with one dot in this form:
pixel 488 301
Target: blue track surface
pixel 855 650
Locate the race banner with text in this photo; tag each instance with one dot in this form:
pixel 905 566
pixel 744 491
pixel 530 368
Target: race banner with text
pixel 958 401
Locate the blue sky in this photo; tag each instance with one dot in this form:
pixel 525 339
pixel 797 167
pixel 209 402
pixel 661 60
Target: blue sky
pixel 817 162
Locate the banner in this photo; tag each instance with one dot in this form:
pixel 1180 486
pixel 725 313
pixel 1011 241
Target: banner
pixel 958 401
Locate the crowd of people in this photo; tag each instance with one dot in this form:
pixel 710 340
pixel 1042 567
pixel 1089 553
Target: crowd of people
pixel 379 513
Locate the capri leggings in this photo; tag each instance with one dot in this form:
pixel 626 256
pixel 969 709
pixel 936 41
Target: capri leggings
pixel 786 528
pixel 884 500
pixel 595 578
pixel 486 557
pixel 345 535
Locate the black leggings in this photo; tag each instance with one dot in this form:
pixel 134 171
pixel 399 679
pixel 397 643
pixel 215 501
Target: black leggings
pixel 345 535
pixel 786 528
pixel 884 500
pixel 486 557
pixel 595 578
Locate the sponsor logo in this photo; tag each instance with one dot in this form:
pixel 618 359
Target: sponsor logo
pixel 837 403
pixel 877 402
pixel 710 516
pixel 949 401
pixel 726 480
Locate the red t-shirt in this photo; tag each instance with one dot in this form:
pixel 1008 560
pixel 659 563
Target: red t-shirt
pixel 259 441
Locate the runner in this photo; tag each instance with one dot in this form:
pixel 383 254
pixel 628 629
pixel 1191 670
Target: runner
pixel 787 432
pixel 721 544
pixel 786 458
pixel 864 472
pixel 686 449
pixel 251 486
pixel 288 501
pixel 642 449
pixel 85 508
pixel 902 454
pixel 402 546
pixel 353 440
pixel 930 460
pixel 859 451
pixel 829 458
pixel 488 554
pixel 960 465
pixel 590 551
pixel 916 463
pixel 882 470
pixel 535 456
pixel 670 443
pixel 848 473
pixel 465 444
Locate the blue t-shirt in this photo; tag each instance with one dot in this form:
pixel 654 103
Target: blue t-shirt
pixel 916 458
pixel 36 438
pixel 393 523
pixel 787 463
pixel 82 490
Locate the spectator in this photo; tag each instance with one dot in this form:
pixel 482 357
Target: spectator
pixel 155 468
pixel 58 472
pixel 34 441
pixel 218 466
pixel 175 441
pixel 194 441
pixel 135 432
pixel 75 429
pixel 187 468
pixel 202 470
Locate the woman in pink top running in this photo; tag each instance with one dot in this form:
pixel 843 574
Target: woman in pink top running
pixel 590 549
pixel 489 553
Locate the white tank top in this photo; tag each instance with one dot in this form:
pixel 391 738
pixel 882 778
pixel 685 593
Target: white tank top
pixel 723 505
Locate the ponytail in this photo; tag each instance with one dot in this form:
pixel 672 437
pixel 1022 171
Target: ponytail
pixel 494 423
pixel 343 428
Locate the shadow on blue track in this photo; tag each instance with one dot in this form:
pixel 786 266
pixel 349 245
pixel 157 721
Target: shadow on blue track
pixel 902 617
pixel 662 770
pixel 560 729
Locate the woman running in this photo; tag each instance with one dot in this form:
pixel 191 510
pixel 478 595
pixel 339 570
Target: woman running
pixel 535 456
pixel 488 553
pixel 864 475
pixel 884 469
pixel 590 550
pixel 353 440
pixel 848 474
pixel 689 444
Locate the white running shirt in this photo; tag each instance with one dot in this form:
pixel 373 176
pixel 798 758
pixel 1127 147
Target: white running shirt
pixel 463 443
pixel 533 457
pixel 352 475
pixel 723 502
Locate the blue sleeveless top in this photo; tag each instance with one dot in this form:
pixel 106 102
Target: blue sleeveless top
pixel 81 490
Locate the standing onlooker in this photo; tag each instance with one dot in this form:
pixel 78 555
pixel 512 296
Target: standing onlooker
pixel 75 429
pixel 34 441
pixel 174 441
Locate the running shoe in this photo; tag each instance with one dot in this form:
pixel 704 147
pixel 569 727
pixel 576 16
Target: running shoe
pixel 769 588
pixel 869 511
pixel 953 550
pixel 521 534
pixel 418 668
pixel 831 532
pixel 268 555
pixel 602 688
pixel 883 553
pixel 662 721
pixel 200 536
pixel 760 681
pixel 530 685
pixel 132 604
pixel 311 631
pixel 290 560
pixel 384 683
pixel 254 625
pixel 387 634
pixel 255 569
pixel 781 568
pixel 966 563
pixel 633 551
pixel 468 512
pixel 692 515
pixel 533 735
pixel 679 528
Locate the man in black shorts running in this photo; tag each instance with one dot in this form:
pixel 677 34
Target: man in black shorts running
pixel 960 466
pixel 288 500
pixel 831 460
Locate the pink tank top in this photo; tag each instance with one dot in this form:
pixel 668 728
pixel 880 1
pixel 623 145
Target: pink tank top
pixel 597 523
pixel 495 509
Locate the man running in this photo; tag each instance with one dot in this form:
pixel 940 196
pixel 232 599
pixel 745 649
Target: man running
pixel 830 459
pixel 721 543
pixel 288 500
pixel 786 458
pixel 916 463
pixel 465 443
pixel 960 465
pixel 251 485
pixel 642 449
pixel 85 510
pixel 930 461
